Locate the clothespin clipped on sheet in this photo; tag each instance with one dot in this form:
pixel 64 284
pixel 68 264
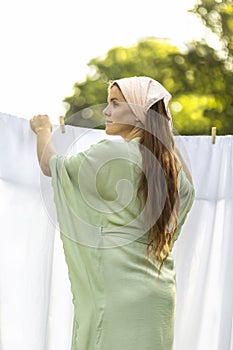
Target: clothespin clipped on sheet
pixel 62 123
pixel 213 133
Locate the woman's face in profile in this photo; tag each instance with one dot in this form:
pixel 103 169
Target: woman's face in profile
pixel 120 119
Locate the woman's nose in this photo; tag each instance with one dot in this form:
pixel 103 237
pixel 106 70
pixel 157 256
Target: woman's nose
pixel 106 111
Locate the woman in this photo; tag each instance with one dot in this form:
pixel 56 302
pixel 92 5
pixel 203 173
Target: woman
pixel 120 207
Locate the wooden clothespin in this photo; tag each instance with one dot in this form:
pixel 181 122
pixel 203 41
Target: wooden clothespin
pixel 62 123
pixel 213 133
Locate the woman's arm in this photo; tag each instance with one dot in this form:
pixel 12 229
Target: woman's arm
pixel 42 127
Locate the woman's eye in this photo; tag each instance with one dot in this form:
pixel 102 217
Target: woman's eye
pixel 115 104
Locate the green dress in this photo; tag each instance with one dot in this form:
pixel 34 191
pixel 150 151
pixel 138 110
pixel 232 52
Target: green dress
pixel 119 301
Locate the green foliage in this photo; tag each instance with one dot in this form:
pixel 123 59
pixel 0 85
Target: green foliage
pixel 217 65
pixel 218 16
pixel 86 103
pixel 188 111
pixel 200 79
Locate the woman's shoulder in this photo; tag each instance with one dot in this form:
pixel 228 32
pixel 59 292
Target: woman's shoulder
pixel 114 147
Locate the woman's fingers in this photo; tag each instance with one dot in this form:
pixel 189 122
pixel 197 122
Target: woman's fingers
pixel 40 121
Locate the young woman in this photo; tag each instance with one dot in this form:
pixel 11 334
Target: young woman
pixel 120 207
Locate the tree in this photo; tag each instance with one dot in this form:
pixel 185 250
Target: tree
pixel 148 57
pixel 200 78
pixel 216 66
pixel 218 16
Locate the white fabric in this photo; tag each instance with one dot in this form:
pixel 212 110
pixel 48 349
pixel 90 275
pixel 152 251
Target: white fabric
pixel 141 93
pixel 35 299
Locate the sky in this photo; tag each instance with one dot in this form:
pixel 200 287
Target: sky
pixel 45 45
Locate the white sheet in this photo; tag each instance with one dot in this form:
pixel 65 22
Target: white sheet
pixel 35 300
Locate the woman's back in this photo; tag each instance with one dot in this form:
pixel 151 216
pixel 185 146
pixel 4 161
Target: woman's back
pixel 120 303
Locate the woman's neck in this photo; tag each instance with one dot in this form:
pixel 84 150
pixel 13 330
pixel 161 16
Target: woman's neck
pixel 136 132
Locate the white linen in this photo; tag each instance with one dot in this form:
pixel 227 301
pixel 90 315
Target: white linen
pixel 35 299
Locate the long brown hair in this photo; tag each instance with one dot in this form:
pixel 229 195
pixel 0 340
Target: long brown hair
pixel 158 185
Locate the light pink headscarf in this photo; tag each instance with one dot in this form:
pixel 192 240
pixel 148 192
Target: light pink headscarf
pixel 141 93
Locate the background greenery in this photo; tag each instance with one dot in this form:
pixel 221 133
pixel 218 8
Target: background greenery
pixel 199 77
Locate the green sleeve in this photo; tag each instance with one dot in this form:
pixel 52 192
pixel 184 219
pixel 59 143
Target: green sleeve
pixel 186 198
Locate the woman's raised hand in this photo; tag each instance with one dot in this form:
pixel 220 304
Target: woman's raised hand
pixel 40 122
